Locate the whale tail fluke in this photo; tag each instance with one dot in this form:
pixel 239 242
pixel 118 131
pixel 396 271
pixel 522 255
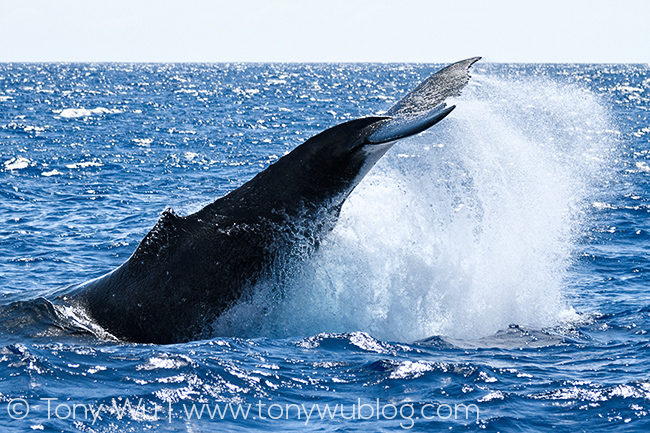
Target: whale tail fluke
pixel 432 92
pixel 425 105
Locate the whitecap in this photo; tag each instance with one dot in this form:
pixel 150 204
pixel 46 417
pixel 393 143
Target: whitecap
pixel 494 395
pixel 96 369
pixel 51 173
pixel 412 370
pixel 84 164
pixel 364 341
pixel 70 113
pixel 17 163
pixel 29 128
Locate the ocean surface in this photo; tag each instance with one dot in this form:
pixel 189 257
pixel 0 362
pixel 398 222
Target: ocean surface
pixel 490 274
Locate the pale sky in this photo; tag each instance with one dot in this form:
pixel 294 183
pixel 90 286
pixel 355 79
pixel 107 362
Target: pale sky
pixel 593 31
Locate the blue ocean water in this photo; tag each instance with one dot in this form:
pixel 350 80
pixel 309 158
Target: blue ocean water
pixel 488 275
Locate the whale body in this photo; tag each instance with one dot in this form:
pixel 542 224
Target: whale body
pixel 188 270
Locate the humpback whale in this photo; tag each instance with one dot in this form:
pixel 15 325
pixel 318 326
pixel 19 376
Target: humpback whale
pixel 188 270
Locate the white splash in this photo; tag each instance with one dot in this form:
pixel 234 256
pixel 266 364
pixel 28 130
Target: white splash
pixel 473 232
